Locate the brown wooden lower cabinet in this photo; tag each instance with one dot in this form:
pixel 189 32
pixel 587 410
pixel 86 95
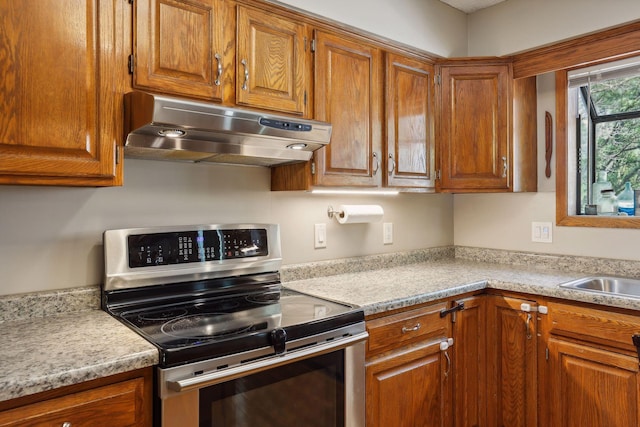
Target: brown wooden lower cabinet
pixel 408 388
pixel 469 407
pixel 122 400
pixel 592 387
pixel 591 367
pixel 407 372
pixel 510 365
pixel 512 362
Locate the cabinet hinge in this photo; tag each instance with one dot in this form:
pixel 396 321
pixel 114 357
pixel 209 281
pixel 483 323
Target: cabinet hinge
pixel 131 64
pixel 313 45
pixel 305 44
pixel 438 174
pixel 117 154
pixel 305 98
pixel 546 353
pixel 436 79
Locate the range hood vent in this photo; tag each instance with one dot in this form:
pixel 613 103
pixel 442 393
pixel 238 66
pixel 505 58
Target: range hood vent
pixel 167 128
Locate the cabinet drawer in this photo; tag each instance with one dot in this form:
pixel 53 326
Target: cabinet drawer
pixel 393 331
pixel 115 405
pixel 598 326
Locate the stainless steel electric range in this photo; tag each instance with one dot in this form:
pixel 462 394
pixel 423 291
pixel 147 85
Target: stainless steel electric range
pixel 236 348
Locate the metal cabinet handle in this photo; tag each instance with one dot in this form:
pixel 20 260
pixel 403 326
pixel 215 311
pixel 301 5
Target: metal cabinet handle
pixel 448 370
pixel 505 167
pixel 393 164
pixel 412 329
pixel 377 164
pixel 528 323
pixel 246 74
pixel 219 75
pixel 66 424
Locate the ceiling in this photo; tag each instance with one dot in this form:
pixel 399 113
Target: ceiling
pixel 470 6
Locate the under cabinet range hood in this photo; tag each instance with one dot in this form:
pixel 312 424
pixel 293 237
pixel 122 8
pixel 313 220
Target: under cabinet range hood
pixel 168 128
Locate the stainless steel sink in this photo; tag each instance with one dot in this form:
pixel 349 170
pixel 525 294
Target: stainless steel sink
pixel 609 285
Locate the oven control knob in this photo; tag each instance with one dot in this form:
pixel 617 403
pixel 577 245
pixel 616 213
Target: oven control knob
pixel 278 340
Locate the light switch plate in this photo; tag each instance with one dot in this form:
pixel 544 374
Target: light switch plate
pixel 320 236
pixel 387 233
pixel 542 232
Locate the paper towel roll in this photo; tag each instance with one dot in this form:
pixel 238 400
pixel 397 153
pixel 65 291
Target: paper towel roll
pixel 356 214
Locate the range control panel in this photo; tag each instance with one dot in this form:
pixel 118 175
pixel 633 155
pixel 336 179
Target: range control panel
pixel 194 246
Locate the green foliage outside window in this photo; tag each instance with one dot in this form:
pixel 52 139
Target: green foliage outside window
pixel 617 130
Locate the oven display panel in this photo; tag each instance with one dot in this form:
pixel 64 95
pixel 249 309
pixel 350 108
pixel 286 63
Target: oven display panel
pixel 195 246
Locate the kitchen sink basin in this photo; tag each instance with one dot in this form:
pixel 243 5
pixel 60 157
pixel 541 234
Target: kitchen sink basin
pixel 607 285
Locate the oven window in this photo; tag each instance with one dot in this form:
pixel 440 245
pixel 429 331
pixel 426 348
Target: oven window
pixel 306 393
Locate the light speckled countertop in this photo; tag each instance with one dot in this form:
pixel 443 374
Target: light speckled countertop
pixel 57 338
pixel 386 282
pixel 44 353
pixel 397 287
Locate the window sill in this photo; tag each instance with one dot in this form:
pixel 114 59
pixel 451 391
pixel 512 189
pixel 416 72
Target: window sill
pixel 598 221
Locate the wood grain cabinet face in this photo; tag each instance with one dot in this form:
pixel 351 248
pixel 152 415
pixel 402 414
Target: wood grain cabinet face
pixel 59 121
pixel 474 127
pixel 410 156
pixel 270 69
pixel 123 404
pixel 591 386
pixel 512 363
pixel 348 95
pixel 407 373
pixel 469 373
pixel 592 372
pixel 179 47
pixel 408 389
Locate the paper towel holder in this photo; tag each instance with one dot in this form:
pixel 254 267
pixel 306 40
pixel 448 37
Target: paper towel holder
pixel 331 213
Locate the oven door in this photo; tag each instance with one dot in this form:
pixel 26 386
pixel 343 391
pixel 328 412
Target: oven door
pixel 320 385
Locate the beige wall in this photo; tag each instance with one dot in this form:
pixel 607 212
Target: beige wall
pixel 427 24
pixel 516 25
pixel 50 238
pixel 503 221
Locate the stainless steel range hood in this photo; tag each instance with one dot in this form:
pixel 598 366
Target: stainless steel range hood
pixel 167 128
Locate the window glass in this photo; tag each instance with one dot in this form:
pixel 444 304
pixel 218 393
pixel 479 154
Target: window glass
pixel 605 102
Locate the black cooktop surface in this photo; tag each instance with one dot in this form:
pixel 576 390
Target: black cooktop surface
pixel 198 328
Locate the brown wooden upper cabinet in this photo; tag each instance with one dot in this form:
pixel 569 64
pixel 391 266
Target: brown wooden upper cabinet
pixel 410 148
pixel 217 51
pixel 487 128
pixel 352 95
pixel 271 70
pixel 59 120
pixel 180 47
pixel 348 95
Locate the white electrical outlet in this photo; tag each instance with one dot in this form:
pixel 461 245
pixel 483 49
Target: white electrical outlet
pixel 387 233
pixel 320 236
pixel 542 232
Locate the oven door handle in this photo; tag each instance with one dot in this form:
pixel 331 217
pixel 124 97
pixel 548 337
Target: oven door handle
pixel 228 374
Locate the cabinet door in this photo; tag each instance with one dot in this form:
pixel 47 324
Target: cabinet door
pixel 592 387
pixel 179 47
pixel 348 95
pixel 512 369
pixel 59 122
pixel 408 388
pixel 474 127
pixel 410 132
pixel 117 405
pixel 271 70
pixel 470 363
